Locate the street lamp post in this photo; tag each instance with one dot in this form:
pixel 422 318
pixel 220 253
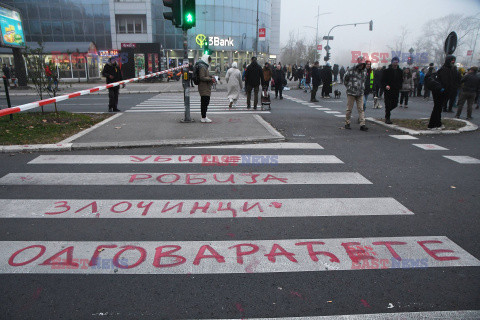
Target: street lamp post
pixel 316 28
pixel 256 40
pixel 327 47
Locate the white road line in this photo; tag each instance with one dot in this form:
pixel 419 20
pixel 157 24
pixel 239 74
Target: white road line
pixel 230 257
pixel 427 146
pixel 340 115
pixel 184 179
pixel 424 315
pixel 332 112
pixel 209 112
pixel 323 109
pixel 278 145
pixel 403 137
pixel 206 159
pixel 201 208
pixel 463 159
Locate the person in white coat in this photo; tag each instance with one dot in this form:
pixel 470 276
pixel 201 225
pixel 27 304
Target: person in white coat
pixel 234 84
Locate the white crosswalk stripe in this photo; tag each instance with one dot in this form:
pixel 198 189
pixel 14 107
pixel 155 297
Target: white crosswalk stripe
pixel 275 146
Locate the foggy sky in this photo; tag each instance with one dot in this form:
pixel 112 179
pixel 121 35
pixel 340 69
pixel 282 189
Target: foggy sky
pixel 388 16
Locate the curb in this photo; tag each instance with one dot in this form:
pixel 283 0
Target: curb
pixel 469 127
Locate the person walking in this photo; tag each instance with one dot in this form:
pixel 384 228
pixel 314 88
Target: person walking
pixel 234 84
pixel 308 78
pixel 446 77
pixel 392 83
pixel 421 81
pixel 113 73
pixel 253 76
pixel 327 81
pixel 279 78
pixel 369 83
pixel 190 75
pixel 430 70
pixel 289 71
pixel 342 73
pixel 316 81
pixel 335 72
pixel 204 85
pixel 377 83
pixel 469 91
pixel 354 81
pixel 267 77
pixel 407 87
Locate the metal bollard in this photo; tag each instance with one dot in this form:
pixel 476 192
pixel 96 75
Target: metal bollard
pixel 5 83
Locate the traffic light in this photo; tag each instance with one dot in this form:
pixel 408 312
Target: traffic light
pixel 188 11
pixel 370 25
pixel 410 60
pixel 206 50
pixel 327 57
pixel 176 15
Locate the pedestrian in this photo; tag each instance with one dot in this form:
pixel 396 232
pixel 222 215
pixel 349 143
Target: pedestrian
pixel 342 73
pixel 446 77
pixel 289 71
pixel 267 77
pixel 407 87
pixel 453 86
pixel 204 85
pixel 430 70
pixel 253 77
pixel 316 81
pixel 294 73
pixel 113 73
pixel 377 82
pixel 421 81
pixel 354 81
pixel 279 79
pixel 392 83
pixel 416 79
pixel 190 74
pixel 327 81
pixel 369 83
pixel 6 72
pixel 48 75
pixel 300 74
pixel 308 78
pixel 234 84
pixel 470 89
pixel 335 72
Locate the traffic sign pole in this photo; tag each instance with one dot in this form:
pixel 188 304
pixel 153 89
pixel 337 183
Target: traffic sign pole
pixel 186 88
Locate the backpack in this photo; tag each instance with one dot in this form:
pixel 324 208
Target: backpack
pixel 196 74
pixel 432 82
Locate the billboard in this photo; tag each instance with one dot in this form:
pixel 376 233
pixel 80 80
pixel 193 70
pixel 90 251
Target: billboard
pixel 11 28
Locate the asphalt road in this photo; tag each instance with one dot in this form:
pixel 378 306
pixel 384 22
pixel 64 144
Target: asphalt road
pixel 443 196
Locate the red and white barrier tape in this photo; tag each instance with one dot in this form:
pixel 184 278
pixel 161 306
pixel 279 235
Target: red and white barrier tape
pixel 43 102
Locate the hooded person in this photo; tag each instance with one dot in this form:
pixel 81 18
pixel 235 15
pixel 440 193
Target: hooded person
pixel 354 81
pixel 450 77
pixel 204 85
pixel 234 84
pixel 253 77
pixel 112 72
pixel 392 79
pixel 470 89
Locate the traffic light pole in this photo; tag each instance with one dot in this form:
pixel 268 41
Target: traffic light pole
pixel 185 80
pixel 327 47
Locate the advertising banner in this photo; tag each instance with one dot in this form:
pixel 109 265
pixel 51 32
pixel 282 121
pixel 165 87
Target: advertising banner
pixel 11 28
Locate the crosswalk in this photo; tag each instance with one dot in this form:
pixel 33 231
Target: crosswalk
pixel 174 103
pixel 212 256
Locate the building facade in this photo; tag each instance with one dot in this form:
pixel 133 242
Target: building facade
pixel 230 26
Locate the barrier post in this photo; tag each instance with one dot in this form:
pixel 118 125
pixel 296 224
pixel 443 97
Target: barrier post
pixel 7 94
pixel 186 88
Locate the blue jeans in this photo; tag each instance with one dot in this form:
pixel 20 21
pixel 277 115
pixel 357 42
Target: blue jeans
pixel 365 99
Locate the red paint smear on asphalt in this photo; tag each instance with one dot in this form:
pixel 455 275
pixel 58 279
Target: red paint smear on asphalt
pixel 277 205
pixel 365 303
pixel 295 293
pixel 239 307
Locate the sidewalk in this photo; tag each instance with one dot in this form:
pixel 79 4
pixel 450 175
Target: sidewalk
pixel 128 130
pixel 131 88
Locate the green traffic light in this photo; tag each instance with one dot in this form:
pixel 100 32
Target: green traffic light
pixel 189 18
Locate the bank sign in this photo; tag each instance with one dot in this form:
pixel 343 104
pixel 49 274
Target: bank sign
pixel 214 41
pixel 11 28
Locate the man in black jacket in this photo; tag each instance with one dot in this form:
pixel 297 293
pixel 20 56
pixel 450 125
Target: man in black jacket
pixel 316 81
pixel 470 89
pixel 392 79
pixel 452 84
pixel 253 76
pixel 112 72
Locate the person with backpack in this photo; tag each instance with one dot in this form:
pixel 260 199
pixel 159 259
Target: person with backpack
pixel 407 87
pixel 441 83
pixel 234 84
pixel 392 83
pixel 430 70
pixel 354 81
pixel 204 82
pixel 253 76
pixel 469 91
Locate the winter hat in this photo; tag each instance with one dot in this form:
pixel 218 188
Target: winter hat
pixel 395 59
pixel 205 58
pixel 431 64
pixel 449 59
pixel 234 65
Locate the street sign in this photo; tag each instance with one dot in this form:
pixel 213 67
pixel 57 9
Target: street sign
pixel 319 47
pixel 469 52
pixel 450 43
pixel 327 37
pixel 262 34
pixel 411 50
pixel 327 48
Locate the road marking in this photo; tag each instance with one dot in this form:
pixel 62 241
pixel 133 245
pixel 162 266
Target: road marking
pixel 463 159
pixel 230 208
pixel 332 112
pixel 323 109
pixel 278 145
pixel 192 179
pixel 229 257
pixel 198 112
pixel 340 115
pixel 430 147
pixel 403 137
pixel 206 159
pixel 424 315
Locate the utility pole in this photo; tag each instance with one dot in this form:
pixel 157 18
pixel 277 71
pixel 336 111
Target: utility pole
pixel 256 40
pixel 316 35
pixel 186 88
